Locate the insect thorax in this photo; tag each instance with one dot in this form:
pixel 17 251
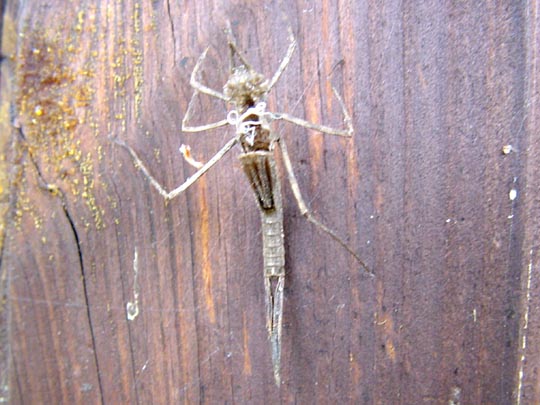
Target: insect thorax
pixel 259 142
pixel 245 88
pixel 253 127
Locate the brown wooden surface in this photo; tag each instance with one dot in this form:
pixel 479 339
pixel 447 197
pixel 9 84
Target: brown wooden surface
pixel 421 192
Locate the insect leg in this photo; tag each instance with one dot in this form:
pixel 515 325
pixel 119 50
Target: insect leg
pixel 285 61
pixel 306 212
pixel 321 128
pixel 199 128
pixel 169 195
pixel 233 48
pixel 201 87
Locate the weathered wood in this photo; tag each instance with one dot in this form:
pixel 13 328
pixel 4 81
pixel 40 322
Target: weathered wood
pixel 422 192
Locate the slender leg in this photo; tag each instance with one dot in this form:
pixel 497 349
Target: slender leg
pixel 234 49
pixel 169 195
pixel 201 87
pixel 321 128
pixel 185 150
pixel 285 61
pixel 199 128
pixel 306 212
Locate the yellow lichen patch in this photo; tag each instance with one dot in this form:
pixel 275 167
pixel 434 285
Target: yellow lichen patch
pixel 55 90
pixel 88 191
pixel 9 43
pixel 137 59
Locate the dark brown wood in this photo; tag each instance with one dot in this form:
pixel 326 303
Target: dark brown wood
pixel 422 192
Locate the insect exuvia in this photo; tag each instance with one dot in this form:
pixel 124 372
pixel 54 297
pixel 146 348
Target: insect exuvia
pixel 246 91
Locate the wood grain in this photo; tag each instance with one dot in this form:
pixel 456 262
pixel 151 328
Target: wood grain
pixel 421 192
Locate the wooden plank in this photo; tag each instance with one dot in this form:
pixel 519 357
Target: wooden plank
pixel 421 192
pixel 527 383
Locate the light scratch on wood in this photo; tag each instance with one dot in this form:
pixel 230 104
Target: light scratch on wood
pixel 524 330
pixel 132 307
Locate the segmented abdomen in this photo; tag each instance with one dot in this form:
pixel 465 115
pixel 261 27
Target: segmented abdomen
pixel 260 168
pixel 273 243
